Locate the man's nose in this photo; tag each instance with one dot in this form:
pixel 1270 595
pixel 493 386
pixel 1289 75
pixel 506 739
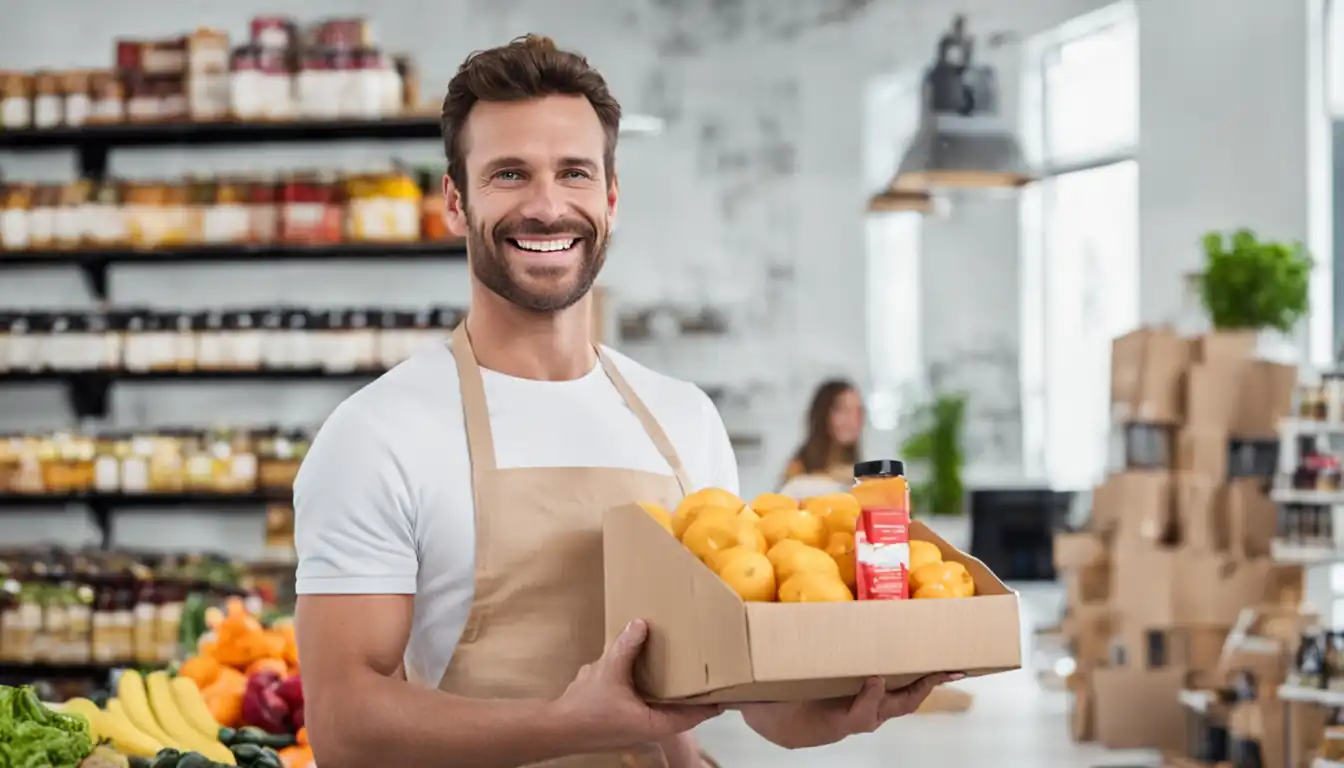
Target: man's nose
pixel 544 201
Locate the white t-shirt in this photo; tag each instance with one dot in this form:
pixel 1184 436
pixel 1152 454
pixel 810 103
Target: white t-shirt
pixel 383 501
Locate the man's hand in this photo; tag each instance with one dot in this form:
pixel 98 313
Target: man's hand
pixel 798 725
pixel 602 701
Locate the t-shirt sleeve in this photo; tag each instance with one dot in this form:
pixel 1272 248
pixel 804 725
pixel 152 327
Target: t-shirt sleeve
pixel 353 517
pixel 722 461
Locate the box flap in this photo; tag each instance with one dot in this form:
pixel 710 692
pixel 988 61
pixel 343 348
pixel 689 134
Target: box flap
pixel 697 625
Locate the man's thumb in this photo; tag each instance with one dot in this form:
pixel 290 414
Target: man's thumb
pixel 621 654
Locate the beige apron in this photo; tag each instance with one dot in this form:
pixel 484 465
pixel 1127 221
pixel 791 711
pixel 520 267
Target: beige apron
pixel 538 616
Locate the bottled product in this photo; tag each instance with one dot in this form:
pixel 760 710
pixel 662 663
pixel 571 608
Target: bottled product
pixel 882 533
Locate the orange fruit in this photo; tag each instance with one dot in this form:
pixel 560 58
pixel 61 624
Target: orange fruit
pixel 747 513
pixel 684 517
pixel 950 573
pixel 772 502
pixel 840 511
pixel 841 549
pixel 659 513
pixel 717 530
pixel 748 573
pixel 924 552
pixel 933 591
pixel 814 587
pixel 793 524
pixel 791 557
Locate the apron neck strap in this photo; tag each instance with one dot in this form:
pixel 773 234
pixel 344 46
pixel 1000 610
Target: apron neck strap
pixel 481 441
pixel 646 419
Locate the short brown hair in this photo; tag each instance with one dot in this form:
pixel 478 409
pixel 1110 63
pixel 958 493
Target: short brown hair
pixel 529 67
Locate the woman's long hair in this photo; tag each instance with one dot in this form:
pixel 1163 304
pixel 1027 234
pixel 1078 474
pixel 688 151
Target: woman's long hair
pixel 819 451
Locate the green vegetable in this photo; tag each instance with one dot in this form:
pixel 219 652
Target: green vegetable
pixel 140 762
pixel 32 735
pixel 247 754
pixel 1253 284
pixel 269 759
pixel 228 736
pixel 251 734
pixel 167 758
pixel 195 760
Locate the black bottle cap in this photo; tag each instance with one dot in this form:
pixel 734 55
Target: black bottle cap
pixel 880 468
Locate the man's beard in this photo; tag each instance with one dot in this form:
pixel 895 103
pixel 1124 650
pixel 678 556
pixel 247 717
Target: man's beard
pixel 491 266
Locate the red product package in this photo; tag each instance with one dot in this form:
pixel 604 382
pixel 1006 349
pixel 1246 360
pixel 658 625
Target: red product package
pixel 882 554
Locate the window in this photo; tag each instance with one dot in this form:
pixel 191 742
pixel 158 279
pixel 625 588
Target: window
pixel 1080 255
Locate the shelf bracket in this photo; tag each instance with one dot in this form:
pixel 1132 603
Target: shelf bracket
pixel 95 277
pixel 88 393
pixel 102 517
pixel 92 160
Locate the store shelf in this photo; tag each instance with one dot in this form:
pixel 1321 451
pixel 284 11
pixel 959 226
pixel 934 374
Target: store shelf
pixel 27 673
pixel 103 506
pixel 95 263
pixel 1305 554
pixel 88 390
pixel 200 134
pixel 1295 496
pixel 1310 427
pixel 1311 695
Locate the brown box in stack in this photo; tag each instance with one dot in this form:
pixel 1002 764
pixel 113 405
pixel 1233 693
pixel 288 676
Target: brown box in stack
pixel 1147 371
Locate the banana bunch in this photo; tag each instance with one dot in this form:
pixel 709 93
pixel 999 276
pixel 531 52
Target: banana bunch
pixel 154 712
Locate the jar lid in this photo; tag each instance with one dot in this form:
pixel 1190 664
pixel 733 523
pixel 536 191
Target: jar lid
pixel 880 468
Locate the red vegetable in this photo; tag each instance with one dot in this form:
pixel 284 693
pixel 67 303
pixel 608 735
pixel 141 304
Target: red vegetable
pixel 291 690
pixel 262 704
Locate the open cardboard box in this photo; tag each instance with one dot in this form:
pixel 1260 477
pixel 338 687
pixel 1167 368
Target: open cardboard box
pixel 706 645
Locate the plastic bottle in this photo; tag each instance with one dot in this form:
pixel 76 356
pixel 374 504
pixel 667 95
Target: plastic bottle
pixel 882 533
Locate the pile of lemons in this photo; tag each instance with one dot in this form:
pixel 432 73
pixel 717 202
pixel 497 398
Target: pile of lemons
pixel 773 549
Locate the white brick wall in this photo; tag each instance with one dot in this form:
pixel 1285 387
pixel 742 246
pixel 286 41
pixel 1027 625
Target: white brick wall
pixel 752 198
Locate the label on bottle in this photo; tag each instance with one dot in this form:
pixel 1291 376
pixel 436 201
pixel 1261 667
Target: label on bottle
pixel 882 554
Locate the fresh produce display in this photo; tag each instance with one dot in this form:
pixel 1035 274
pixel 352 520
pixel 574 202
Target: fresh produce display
pixel 33 735
pixel 776 549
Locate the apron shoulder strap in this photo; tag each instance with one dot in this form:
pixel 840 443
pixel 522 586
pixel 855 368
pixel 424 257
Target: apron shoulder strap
pixel 646 419
pixel 480 440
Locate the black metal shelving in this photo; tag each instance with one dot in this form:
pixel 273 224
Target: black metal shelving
pixel 95 263
pixel 93 142
pixel 88 390
pixel 103 506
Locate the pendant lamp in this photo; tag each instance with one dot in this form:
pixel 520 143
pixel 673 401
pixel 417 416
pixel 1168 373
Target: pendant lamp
pixel 962 141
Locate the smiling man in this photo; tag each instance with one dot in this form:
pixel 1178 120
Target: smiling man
pixel 448 526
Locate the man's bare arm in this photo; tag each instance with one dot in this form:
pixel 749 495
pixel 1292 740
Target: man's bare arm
pixel 358 714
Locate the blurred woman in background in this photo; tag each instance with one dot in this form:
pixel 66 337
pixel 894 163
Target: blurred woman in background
pixel 824 462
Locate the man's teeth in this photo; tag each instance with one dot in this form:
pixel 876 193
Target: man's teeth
pixel 544 246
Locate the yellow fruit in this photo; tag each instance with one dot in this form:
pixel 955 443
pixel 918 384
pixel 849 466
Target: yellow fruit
pixel 170 718
pixel 841 549
pixel 683 517
pixel 684 514
pixel 923 553
pixel 840 511
pixel 934 591
pixel 192 705
pixel 131 693
pixel 814 587
pixel 950 573
pixel 749 515
pixel 772 502
pixel 792 559
pixel 748 573
pixel 114 727
pixel 793 524
pixel 658 513
pixel 712 532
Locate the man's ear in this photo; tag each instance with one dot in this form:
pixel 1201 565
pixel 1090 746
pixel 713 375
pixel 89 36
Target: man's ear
pixel 613 198
pixel 454 208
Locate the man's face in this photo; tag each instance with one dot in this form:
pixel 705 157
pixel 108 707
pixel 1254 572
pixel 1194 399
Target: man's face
pixel 537 209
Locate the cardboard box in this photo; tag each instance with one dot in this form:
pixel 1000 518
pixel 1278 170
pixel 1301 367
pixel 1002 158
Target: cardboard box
pixel 1201 513
pixel 1147 366
pixel 1139 708
pixel 706 645
pixel 1196 648
pixel 1203 452
pixel 1088 629
pixel 1145 505
pixel 1245 399
pixel 1160 588
pixel 1082 710
pixel 1224 347
pixel 1088 585
pixel 1078 549
pixel 1252 518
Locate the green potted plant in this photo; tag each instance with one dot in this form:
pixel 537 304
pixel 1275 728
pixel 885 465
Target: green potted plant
pixel 933 447
pixel 1251 285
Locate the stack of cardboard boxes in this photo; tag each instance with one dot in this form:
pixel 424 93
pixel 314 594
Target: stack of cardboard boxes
pixel 1180 534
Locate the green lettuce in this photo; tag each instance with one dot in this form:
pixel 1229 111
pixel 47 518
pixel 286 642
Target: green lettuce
pixel 33 736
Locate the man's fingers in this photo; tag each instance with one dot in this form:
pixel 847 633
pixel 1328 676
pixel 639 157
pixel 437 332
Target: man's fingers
pixel 619 659
pixel 679 718
pixel 907 700
pixel 865 705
